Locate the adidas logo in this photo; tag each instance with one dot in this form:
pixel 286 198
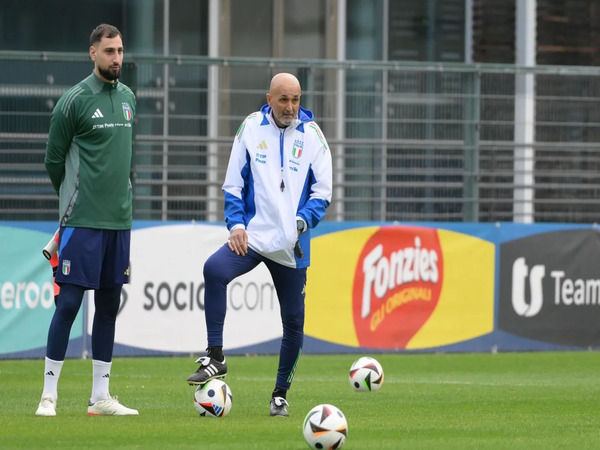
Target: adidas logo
pixel 106 376
pixel 262 146
pixel 50 373
pixel 211 370
pixel 97 114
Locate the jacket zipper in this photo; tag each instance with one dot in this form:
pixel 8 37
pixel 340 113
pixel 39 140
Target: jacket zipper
pixel 112 103
pixel 281 133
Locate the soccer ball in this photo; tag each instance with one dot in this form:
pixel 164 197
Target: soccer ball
pixel 325 426
pixel 366 374
pixel 213 399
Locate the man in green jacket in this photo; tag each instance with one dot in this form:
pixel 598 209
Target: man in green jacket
pixel 88 159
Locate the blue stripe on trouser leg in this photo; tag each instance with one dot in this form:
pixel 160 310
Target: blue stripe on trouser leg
pixel 219 269
pixel 290 286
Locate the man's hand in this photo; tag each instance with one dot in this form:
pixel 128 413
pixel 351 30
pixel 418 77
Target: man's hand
pixel 238 241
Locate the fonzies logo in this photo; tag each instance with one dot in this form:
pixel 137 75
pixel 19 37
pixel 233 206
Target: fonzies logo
pixel 397 285
pixel 550 287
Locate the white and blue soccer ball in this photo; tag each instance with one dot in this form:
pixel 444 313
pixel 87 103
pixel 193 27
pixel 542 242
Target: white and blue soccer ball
pixel 366 374
pixel 213 399
pixel 325 427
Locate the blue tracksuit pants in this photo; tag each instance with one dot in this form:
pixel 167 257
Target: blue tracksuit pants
pixel 222 267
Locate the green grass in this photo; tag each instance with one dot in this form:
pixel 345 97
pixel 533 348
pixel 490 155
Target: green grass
pixel 434 401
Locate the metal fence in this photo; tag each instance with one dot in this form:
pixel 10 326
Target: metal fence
pixel 410 142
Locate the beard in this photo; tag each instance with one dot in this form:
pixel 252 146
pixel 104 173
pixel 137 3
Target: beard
pixel 112 73
pixel 285 120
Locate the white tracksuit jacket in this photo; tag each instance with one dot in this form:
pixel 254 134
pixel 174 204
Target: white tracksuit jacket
pixel 274 176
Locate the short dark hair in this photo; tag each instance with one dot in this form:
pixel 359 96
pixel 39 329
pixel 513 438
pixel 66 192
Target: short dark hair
pixel 104 30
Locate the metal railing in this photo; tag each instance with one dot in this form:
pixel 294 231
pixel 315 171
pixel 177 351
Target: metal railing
pixel 410 142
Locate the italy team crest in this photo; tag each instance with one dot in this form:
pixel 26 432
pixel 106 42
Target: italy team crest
pixel 66 267
pixel 127 111
pixel 297 149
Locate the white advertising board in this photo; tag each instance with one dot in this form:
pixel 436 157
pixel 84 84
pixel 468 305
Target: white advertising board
pixel 162 308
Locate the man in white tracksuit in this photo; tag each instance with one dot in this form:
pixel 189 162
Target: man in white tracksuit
pixel 278 186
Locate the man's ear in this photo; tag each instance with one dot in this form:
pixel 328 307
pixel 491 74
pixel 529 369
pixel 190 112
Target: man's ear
pixel 92 53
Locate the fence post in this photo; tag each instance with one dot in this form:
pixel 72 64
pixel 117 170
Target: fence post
pixel 524 152
pixel 471 148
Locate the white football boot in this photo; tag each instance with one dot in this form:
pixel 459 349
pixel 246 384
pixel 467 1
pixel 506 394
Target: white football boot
pixel 47 407
pixel 110 407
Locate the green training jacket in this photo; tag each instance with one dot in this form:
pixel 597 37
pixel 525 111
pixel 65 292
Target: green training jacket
pixel 89 154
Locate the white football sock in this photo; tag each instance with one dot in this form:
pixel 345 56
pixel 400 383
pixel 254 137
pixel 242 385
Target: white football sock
pixel 101 380
pixel 51 374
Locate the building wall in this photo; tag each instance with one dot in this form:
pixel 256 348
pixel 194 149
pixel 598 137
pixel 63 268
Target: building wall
pixel 428 30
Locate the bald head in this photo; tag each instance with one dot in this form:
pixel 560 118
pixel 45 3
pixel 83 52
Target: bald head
pixel 284 98
pixel 283 81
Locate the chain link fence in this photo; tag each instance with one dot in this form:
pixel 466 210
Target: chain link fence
pixel 410 142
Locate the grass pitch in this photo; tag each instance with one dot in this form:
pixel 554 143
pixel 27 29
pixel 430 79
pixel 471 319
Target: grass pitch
pixel 428 401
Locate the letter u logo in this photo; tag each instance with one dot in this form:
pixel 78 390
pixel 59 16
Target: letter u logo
pixel 519 276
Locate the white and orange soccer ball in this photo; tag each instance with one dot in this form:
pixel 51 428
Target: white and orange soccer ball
pixel 366 374
pixel 213 399
pixel 325 427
